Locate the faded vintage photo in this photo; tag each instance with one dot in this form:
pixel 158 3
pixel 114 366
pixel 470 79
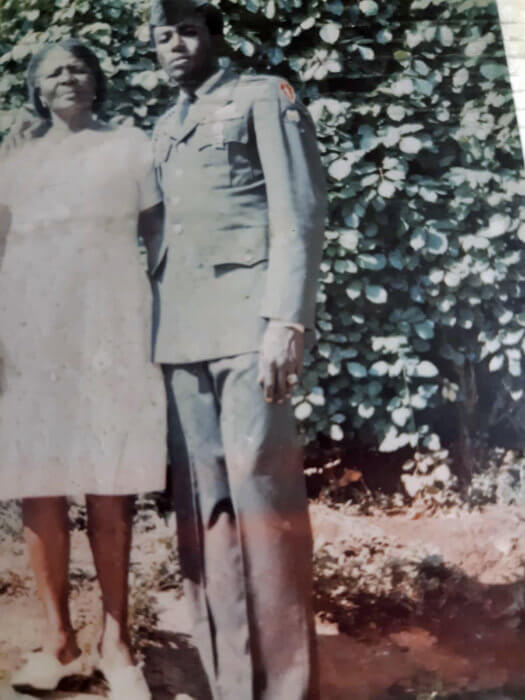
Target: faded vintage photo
pixel 261 347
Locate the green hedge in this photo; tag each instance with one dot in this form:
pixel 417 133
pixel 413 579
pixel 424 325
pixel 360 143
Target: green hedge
pixel 421 317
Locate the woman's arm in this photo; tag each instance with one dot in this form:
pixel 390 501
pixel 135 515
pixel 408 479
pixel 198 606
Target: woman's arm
pixel 26 126
pixel 150 227
pixel 5 223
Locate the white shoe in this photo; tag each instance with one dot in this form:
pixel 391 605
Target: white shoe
pixel 44 671
pixel 11 694
pixel 125 682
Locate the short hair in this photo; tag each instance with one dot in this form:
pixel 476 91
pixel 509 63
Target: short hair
pixel 173 14
pixel 77 49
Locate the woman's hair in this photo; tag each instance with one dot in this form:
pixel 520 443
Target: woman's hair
pixel 77 49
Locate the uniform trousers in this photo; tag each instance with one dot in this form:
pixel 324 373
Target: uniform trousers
pixel 244 536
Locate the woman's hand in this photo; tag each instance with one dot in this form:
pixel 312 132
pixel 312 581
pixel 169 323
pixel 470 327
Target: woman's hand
pixel 27 126
pixel 150 229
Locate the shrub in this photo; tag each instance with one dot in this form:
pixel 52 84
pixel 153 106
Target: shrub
pixel 420 320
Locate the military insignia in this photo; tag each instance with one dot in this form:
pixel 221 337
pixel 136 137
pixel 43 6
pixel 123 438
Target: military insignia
pixel 288 91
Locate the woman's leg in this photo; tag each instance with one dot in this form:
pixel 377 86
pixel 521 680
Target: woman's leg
pixel 46 531
pixel 109 530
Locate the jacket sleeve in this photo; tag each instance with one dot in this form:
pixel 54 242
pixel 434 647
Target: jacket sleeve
pixel 296 192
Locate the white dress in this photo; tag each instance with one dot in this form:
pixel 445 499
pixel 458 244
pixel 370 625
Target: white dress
pixel 82 408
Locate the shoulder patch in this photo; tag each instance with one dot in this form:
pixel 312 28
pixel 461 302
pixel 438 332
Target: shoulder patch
pixel 287 90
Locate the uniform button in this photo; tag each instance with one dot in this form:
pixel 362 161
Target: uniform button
pixel 174 201
pixel 181 146
pixel 178 172
pixel 177 228
pixel 247 257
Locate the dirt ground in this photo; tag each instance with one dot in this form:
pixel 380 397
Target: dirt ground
pixel 407 606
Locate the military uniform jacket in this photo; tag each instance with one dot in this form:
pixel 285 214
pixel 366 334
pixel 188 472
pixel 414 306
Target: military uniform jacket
pixel 244 197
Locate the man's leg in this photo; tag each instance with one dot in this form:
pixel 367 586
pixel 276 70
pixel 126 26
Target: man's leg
pixel 209 551
pixel 268 492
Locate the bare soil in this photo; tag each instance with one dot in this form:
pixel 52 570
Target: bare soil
pixel 408 606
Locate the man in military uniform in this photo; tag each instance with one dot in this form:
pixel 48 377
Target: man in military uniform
pixel 235 283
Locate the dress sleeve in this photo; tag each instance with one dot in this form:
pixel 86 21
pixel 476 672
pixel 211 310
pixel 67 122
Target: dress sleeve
pixel 5 179
pixel 5 207
pixel 149 192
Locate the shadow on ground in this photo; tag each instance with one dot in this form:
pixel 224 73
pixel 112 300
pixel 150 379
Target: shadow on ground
pixel 173 666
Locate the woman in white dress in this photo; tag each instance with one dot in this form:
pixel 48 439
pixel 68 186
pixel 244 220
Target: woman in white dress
pixel 81 406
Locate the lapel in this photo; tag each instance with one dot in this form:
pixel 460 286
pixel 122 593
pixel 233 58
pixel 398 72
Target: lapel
pixel 212 98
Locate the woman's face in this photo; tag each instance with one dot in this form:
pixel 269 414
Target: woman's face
pixel 66 84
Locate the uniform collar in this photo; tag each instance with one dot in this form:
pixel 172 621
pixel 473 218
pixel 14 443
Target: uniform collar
pixel 220 76
pixel 215 92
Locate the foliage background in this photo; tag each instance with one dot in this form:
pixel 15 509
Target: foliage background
pixel 421 318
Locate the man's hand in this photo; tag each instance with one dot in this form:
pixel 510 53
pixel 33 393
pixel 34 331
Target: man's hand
pixel 280 361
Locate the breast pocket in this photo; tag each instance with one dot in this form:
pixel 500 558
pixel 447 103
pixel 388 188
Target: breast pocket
pixel 223 145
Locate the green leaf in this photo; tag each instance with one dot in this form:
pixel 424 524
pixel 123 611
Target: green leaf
pixel 401 87
pixel 386 189
pixel 418 238
pixel 514 362
pixel 493 71
pixel 396 112
pixel 410 144
pixel 369 7
pixel 336 432
pixel 393 440
pixel 366 410
pixel 496 362
pixel 371 261
pixel 366 52
pixel 353 290
pixel 349 239
pixel 436 243
pixel 460 77
pixel 356 369
pixel 128 50
pixel 303 411
pixel 376 294
pixel 425 329
pixel 499 224
pixel 401 415
pixel 339 169
pixel 379 369
pixel 446 35
pixel 248 47
pixel 396 260
pixel 384 36
pixel 330 32
pixel 426 369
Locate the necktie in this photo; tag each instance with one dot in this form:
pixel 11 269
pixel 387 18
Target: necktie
pixel 186 100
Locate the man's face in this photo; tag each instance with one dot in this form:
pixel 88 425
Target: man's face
pixel 185 50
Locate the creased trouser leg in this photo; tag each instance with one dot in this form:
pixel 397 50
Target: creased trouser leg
pixel 209 551
pixel 261 594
